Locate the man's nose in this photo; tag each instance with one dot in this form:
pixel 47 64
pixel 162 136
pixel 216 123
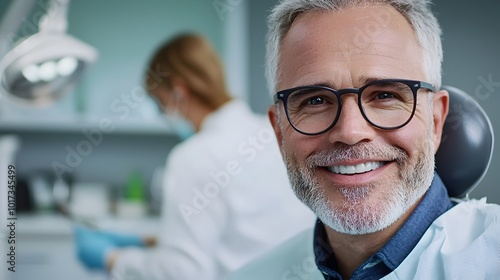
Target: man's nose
pixel 351 127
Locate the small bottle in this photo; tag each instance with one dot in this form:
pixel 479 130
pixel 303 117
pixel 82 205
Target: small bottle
pixel 132 204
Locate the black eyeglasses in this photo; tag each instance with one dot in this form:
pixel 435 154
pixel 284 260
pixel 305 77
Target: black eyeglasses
pixel 386 104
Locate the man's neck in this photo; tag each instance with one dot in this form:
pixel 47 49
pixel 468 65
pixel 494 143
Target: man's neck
pixel 352 250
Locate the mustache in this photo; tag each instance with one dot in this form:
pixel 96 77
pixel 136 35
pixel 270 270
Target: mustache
pixel 343 152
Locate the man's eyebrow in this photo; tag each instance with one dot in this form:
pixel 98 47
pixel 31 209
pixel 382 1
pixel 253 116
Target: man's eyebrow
pixel 368 79
pixel 363 80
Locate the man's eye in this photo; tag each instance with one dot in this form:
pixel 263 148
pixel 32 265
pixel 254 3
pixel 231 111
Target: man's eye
pixel 385 95
pixel 316 101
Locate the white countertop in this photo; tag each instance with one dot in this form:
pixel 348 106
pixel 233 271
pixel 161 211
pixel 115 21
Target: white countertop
pixel 52 224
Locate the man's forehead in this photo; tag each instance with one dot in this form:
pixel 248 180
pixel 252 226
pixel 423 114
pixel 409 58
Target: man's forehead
pixel 366 16
pixel 372 38
pixel 354 27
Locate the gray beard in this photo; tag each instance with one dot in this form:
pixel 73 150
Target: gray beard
pixel 355 216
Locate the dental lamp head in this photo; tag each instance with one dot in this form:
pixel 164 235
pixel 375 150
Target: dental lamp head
pixel 46 65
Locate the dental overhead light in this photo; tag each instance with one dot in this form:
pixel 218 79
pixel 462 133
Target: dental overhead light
pixel 46 65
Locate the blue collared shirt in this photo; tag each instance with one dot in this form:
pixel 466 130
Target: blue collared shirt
pixel 392 254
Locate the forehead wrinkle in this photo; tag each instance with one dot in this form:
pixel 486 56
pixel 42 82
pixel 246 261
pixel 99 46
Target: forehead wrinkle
pixel 306 73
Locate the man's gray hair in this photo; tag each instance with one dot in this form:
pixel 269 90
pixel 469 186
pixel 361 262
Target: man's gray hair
pixel 417 12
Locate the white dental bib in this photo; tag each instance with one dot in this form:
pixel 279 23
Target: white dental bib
pixel 463 243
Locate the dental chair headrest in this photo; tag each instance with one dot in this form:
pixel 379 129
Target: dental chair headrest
pixel 467 144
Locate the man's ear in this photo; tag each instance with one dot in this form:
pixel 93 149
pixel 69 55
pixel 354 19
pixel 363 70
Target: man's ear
pixel 440 112
pixel 274 119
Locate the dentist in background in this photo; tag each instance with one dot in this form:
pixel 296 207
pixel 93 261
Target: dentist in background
pixel 227 197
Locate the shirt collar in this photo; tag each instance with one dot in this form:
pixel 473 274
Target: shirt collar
pixel 434 203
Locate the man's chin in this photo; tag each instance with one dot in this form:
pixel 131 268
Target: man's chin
pixel 358 216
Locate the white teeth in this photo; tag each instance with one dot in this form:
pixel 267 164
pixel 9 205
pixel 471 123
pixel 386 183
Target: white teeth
pixel 353 169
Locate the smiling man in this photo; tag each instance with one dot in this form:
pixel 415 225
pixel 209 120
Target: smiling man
pixel 359 117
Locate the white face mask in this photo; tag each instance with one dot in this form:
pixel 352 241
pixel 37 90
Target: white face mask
pixel 179 124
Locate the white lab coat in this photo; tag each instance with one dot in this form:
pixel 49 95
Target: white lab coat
pixel 227 200
pixel 463 243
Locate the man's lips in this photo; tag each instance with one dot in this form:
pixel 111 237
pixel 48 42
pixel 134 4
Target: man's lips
pixel 356 168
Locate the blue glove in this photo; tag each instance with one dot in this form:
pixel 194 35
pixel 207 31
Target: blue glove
pixel 93 246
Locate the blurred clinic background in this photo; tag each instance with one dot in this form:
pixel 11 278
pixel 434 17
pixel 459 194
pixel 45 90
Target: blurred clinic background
pixel 107 140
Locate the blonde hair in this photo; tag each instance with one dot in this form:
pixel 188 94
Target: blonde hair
pixel 191 58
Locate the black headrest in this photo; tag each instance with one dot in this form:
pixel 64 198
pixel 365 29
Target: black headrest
pixel 467 144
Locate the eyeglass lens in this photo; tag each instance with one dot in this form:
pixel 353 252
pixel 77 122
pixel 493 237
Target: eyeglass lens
pixel 386 104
